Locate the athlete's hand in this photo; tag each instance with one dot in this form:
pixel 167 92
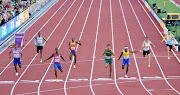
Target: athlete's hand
pixel 119 59
pixel 140 51
pixel 9 56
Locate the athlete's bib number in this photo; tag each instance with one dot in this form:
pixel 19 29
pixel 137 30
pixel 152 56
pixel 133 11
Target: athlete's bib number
pixel 39 41
pixel 126 57
pixel 57 60
pixel 168 39
pixel 108 57
pixel 72 48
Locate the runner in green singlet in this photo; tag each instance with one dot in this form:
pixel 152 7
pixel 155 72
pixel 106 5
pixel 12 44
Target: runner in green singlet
pixel 108 58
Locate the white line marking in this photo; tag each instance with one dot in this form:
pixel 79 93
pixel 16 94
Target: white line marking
pixel 29 81
pixel 158 89
pixel 103 79
pixel 113 50
pixel 151 77
pixel 158 30
pixel 174 76
pixel 6 82
pixel 94 54
pixel 77 45
pixel 152 50
pixel 33 36
pixel 53 80
pixel 36 54
pixel 132 48
pixel 123 78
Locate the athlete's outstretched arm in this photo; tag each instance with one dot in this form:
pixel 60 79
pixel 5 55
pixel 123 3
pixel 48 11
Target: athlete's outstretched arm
pixel 10 54
pixel 44 39
pixel 134 51
pixel 120 55
pixel 153 44
pixel 69 45
pixel 62 57
pixel 21 54
pixel 112 53
pixel 102 54
pixel 49 57
pixel 78 42
pixel 35 41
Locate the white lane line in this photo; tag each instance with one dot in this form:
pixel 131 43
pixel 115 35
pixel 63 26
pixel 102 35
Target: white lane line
pixel 132 48
pixel 158 89
pixel 158 30
pixel 174 76
pixel 113 50
pixel 152 77
pixel 94 54
pixel 35 55
pixel 34 36
pixel 82 31
pixel 53 80
pixel 30 81
pixel 102 79
pixel 6 82
pixel 152 50
pixel 123 78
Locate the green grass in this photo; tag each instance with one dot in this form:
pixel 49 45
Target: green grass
pixel 170 8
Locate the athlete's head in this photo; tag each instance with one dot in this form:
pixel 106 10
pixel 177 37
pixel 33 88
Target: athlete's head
pixel 16 45
pixel 73 38
pixel 108 46
pixel 147 38
pixel 169 32
pixel 56 49
pixel 126 48
pixel 39 33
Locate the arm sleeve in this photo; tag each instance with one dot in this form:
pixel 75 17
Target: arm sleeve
pixel 35 42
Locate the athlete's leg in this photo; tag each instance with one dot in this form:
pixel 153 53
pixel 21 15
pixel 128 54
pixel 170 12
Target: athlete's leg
pixel 149 60
pixel 41 54
pixel 110 68
pixel 16 68
pixel 168 51
pixel 127 69
pixel 106 65
pixel 75 58
pixel 55 73
pixel 70 56
pixel 123 67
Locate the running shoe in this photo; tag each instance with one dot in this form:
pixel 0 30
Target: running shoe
pixel 126 76
pixel 168 57
pixel 17 74
pixel 57 80
pixel 41 61
pixel 74 66
pixel 149 65
pixel 110 75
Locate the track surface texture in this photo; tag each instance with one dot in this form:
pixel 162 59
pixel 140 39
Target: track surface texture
pixel 95 23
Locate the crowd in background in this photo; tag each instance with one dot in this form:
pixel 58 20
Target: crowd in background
pixel 11 8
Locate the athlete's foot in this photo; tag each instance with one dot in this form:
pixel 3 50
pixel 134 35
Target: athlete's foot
pixel 126 76
pixel 57 80
pixel 168 57
pixel 41 61
pixel 149 65
pixel 74 66
pixel 17 74
pixel 110 75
